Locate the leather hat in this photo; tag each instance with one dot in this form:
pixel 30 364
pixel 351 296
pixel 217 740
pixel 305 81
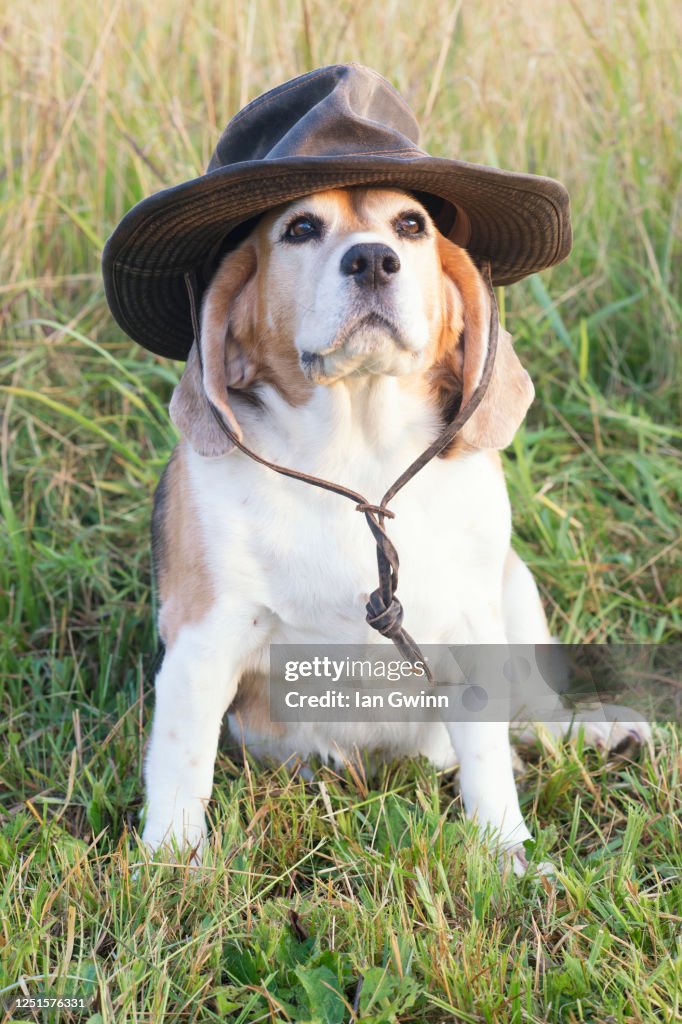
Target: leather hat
pixel 335 127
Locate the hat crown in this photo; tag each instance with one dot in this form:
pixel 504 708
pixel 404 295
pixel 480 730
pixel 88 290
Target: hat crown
pixel 340 110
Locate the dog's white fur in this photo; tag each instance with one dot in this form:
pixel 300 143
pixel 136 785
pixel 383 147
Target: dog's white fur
pixel 247 558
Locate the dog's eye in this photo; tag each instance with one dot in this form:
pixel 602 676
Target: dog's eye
pixel 410 223
pixel 301 228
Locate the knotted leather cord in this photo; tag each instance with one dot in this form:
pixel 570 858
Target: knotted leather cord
pixel 384 610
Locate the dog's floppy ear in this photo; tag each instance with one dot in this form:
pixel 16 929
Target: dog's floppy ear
pixel 220 363
pixel 510 391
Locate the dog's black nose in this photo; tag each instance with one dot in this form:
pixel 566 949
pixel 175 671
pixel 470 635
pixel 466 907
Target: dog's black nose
pixel 370 263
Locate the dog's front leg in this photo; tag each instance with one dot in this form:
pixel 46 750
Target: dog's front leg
pixel 195 686
pixel 482 743
pixel 487 783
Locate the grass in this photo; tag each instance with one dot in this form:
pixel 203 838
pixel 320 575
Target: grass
pixel 344 898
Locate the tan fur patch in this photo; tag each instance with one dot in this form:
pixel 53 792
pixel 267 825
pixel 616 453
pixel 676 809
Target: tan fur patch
pixel 252 708
pixel 461 355
pixel 270 353
pixel 184 584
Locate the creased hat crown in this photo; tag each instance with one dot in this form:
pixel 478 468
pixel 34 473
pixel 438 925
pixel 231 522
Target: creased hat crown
pixel 342 110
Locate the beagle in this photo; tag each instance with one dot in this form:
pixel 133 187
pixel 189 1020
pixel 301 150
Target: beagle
pixel 348 331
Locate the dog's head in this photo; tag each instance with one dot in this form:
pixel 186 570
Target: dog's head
pixel 345 283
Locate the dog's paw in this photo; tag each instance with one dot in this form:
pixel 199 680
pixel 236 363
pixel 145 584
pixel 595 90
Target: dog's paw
pixel 180 841
pixel 612 729
pixel 516 858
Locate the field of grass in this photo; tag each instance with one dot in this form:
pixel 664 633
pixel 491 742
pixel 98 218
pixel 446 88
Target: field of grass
pixel 345 898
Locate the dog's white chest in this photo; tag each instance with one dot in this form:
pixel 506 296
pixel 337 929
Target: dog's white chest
pixel 307 559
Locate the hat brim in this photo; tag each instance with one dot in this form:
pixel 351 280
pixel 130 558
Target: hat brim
pixel 520 222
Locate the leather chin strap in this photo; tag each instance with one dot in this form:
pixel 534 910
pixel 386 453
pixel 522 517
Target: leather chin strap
pixel 384 610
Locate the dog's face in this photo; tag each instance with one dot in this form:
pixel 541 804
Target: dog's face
pixel 352 281
pixel 344 284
